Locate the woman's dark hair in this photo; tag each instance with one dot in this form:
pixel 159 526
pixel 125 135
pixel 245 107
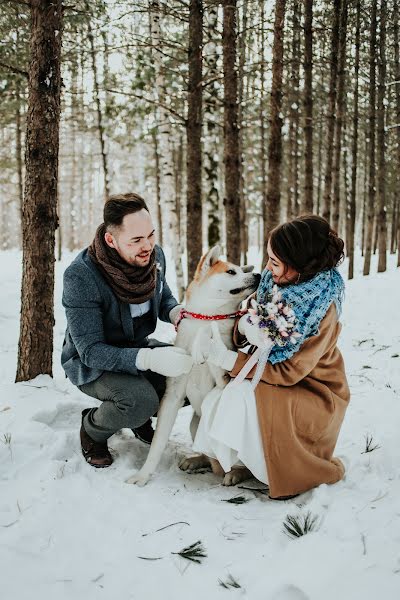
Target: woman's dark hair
pixel 307 244
pixel 119 205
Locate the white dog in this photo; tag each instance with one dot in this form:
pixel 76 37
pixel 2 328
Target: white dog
pixel 218 289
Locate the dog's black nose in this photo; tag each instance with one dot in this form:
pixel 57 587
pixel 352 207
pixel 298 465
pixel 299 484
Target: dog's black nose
pixel 257 277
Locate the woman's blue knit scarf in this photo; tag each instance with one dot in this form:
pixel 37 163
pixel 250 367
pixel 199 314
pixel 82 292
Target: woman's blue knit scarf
pixel 310 301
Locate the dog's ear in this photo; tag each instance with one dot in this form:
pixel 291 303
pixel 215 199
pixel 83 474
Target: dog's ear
pixel 247 268
pixel 207 261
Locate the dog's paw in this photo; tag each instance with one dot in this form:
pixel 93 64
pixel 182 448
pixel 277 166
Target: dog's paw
pixel 195 464
pixel 139 479
pixel 236 475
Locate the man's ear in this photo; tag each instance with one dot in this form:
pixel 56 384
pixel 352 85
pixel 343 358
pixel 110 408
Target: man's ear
pixel 207 261
pixel 109 239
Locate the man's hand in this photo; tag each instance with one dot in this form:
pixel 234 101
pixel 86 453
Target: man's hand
pixel 174 313
pixel 213 350
pixel 167 360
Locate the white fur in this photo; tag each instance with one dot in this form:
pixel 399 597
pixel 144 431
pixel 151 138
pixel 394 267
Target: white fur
pixel 208 294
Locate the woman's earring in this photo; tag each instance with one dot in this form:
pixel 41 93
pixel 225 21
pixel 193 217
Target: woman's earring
pixel 298 279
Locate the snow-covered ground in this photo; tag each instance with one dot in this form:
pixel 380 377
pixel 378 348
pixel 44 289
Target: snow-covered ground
pixel 70 531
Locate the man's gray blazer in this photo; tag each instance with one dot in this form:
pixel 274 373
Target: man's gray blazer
pixel 101 334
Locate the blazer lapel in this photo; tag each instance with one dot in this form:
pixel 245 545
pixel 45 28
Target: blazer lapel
pixel 127 321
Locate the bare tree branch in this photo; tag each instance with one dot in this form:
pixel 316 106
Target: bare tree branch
pixel 150 101
pixel 14 69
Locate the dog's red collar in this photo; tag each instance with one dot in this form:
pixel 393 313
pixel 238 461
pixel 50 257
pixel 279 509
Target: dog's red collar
pixel 183 314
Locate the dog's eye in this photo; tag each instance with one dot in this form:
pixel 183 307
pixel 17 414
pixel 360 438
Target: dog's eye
pixel 231 272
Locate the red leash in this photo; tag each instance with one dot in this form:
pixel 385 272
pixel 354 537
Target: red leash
pixel 183 314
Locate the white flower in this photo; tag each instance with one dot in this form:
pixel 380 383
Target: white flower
pixel 272 308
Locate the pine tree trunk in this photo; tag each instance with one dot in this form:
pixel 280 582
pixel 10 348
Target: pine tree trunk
pixel 307 203
pixel 321 137
pixel 231 133
pixel 331 114
pixel 165 137
pixel 272 210
pixel 40 202
pixel 18 149
pixel 351 213
pixel 263 159
pixel 211 110
pixel 397 78
pixel 99 112
pixel 293 202
pixel 381 214
pixel 371 135
pixel 158 188
pixel 242 197
pixel 340 115
pixel 193 138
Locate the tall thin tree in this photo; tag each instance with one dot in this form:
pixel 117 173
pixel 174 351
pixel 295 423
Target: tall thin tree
pixel 371 132
pixel 351 210
pixel 272 209
pixel 381 141
pixel 331 111
pixel 231 132
pixel 307 203
pixel 193 130
pixel 340 115
pixel 40 200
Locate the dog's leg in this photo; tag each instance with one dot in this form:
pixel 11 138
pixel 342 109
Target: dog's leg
pixel 237 475
pixel 172 401
pixel 194 423
pixel 196 464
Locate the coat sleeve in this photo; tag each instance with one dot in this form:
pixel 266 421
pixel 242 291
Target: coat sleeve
pixel 293 370
pixel 168 301
pixel 84 310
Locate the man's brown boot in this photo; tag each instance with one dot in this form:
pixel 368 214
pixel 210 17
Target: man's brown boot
pixel 96 454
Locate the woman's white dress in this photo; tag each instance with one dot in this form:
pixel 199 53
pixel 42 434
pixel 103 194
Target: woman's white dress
pixel 229 430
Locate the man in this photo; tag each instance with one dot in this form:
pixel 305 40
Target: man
pixel 114 291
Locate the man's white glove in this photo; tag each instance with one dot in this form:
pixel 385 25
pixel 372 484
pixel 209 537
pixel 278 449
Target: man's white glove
pixel 251 332
pixel 214 350
pixel 167 360
pixel 174 313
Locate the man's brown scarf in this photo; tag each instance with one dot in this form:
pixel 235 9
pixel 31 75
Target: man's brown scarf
pixel 131 284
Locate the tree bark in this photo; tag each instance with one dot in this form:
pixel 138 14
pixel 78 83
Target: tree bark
pixel 293 201
pixel 351 213
pixel 331 113
pixel 381 141
pixel 165 138
pixel 231 132
pixel 244 242
pixel 193 137
pixel 99 112
pixel 158 188
pixel 397 78
pixel 18 148
pixel 307 204
pixel 371 132
pixel 340 114
pixel 272 209
pixel 211 110
pixel 40 201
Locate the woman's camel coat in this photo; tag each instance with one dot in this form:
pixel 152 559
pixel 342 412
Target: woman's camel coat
pixel 301 403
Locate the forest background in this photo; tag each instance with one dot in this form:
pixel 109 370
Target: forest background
pixel 228 117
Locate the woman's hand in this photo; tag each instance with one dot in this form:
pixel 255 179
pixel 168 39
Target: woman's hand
pixel 211 348
pixel 250 331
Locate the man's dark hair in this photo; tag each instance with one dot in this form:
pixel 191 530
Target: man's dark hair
pixel 119 205
pixel 307 244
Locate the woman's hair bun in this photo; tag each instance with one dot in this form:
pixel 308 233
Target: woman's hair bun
pixel 307 244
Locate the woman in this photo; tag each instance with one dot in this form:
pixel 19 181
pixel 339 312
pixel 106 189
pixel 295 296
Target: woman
pixel 302 396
